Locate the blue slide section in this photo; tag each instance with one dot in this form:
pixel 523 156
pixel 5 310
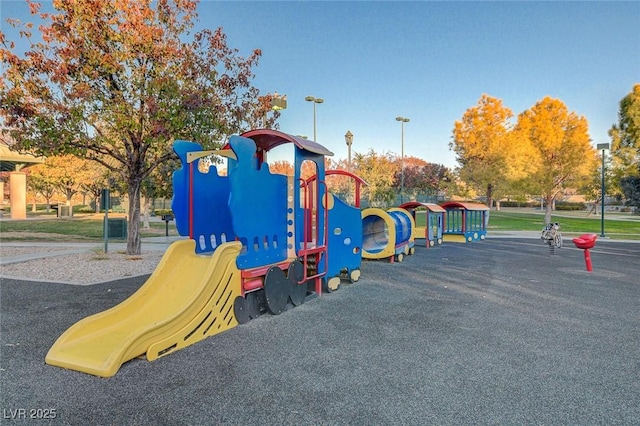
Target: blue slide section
pixel 212 224
pixel 259 204
pixel 403 226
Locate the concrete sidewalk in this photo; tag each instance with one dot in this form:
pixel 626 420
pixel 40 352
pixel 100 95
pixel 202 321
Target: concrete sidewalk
pixel 64 248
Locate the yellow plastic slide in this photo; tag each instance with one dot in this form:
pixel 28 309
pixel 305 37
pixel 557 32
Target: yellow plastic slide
pixel 187 298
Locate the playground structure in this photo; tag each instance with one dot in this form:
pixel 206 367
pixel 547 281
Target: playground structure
pixel 465 222
pixel 433 220
pixel 387 234
pixel 258 242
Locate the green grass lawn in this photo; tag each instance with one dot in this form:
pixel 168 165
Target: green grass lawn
pixel 90 227
pixel 68 229
pixel 615 226
pixel 619 226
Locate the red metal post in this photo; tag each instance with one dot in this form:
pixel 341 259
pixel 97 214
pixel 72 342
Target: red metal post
pixel 464 221
pixel 586 242
pixel 587 260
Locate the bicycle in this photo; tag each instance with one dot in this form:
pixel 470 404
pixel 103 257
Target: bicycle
pixel 552 236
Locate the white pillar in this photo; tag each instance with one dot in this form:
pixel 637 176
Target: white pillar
pixel 18 186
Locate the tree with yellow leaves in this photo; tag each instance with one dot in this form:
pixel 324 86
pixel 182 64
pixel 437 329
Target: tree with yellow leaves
pixel 563 156
pixel 378 171
pixel 67 173
pixel 485 148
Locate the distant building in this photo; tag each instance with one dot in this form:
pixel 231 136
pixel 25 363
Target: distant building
pixel 14 162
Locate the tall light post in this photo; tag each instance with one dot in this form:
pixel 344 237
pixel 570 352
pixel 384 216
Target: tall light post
pixel 603 147
pixel 402 120
pixel 348 138
pixel 315 101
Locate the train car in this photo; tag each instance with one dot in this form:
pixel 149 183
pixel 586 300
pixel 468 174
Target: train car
pixel 433 221
pixel 387 234
pixel 465 222
pixel 281 221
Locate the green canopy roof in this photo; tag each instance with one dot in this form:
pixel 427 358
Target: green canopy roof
pixel 12 161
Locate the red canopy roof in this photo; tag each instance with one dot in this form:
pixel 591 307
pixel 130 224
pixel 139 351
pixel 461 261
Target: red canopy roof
pixel 267 139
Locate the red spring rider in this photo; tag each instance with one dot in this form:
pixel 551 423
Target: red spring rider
pixel 586 242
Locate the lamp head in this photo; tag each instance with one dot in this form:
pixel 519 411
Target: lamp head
pixel 348 137
pixel 279 103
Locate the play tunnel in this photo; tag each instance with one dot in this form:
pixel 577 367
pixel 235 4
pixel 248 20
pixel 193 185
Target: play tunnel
pixel 387 234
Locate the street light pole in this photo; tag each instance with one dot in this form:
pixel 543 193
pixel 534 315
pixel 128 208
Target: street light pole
pixel 402 120
pixel 315 101
pixel 348 138
pixel 603 147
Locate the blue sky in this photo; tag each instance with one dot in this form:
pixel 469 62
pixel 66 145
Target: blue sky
pixel 429 61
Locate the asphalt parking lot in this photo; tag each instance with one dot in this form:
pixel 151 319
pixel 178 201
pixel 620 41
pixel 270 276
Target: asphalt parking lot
pixel 495 332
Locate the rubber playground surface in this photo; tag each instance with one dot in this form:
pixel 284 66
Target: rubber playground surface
pixel 494 332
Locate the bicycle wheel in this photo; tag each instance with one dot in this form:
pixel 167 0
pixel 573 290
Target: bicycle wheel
pixel 558 240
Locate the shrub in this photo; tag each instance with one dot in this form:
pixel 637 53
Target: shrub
pixel 565 205
pixel 517 204
pixel 83 209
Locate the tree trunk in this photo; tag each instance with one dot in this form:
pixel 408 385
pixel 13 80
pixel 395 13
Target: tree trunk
pixel 134 242
pixel 547 212
pixel 145 213
pixel 489 195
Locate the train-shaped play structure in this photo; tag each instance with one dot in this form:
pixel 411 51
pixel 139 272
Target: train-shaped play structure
pixel 257 242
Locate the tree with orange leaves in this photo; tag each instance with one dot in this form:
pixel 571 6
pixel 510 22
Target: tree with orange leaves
pixel 485 149
pixel 563 156
pixel 116 82
pixel 282 167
